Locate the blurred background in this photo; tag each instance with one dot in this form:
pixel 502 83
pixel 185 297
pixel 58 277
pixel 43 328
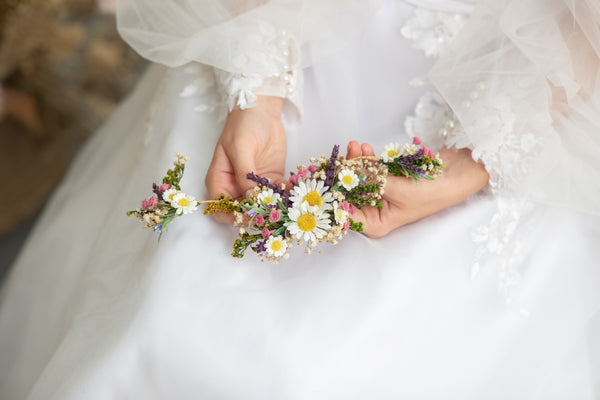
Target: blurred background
pixel 63 70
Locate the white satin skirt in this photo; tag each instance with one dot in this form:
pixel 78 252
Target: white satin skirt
pixel 95 308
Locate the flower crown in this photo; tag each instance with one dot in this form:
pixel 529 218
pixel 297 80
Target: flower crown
pixel 318 207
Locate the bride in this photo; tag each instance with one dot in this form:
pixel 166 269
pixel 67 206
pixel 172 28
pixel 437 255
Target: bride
pixel 487 295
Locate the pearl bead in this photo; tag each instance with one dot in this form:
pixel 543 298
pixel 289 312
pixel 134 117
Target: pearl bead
pixel 474 95
pixel 286 53
pixel 290 90
pixel 443 133
pixel 450 124
pixel 286 67
pixel 283 33
pixel 286 77
pixel 481 86
pixel 466 104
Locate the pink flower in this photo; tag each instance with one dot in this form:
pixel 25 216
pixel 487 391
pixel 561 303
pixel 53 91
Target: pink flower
pixel 149 203
pixel 266 233
pixel 259 220
pixel 164 186
pixel 302 172
pixel 352 209
pixel 294 179
pixel 346 206
pixel 427 152
pixel 346 225
pixel 313 168
pixel 274 215
pixel 417 141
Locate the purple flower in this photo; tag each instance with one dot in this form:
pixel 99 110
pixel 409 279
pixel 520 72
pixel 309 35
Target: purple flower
pixel 260 246
pixel 331 166
pixel 156 190
pixel 276 188
pixel 158 228
pixel 409 162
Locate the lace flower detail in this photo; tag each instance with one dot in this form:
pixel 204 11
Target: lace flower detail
pixel 240 88
pixel 432 31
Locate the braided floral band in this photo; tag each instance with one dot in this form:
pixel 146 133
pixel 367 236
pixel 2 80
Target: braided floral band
pixel 318 208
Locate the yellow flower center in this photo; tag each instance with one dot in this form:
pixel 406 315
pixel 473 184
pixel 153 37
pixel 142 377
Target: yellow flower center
pixel 313 198
pixel 183 202
pixel 347 180
pixel 268 200
pixel 276 245
pixel 392 153
pixel 171 196
pixel 307 222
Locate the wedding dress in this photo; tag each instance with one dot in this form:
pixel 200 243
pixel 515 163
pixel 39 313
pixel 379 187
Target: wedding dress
pixel 495 298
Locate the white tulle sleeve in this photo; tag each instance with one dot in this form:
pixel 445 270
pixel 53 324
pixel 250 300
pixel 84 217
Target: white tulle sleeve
pixel 256 46
pixel 523 82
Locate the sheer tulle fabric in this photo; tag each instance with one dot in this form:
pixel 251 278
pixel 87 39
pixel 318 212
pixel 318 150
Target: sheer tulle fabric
pixel 242 36
pixel 527 94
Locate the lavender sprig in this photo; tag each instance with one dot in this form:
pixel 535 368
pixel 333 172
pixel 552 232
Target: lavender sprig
pixel 156 190
pixel 330 173
pixel 409 162
pixel 276 188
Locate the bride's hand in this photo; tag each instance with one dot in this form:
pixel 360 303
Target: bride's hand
pixel 253 140
pixel 405 202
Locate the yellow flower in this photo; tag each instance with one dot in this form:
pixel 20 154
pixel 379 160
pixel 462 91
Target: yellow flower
pixel 308 223
pixel 276 246
pixel 348 179
pixel 184 203
pixel 312 192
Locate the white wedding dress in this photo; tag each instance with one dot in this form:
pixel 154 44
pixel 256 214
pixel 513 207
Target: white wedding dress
pixel 495 298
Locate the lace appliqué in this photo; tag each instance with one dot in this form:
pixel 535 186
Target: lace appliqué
pixel 508 153
pixel 432 31
pixel 239 89
pixel 281 55
pixel 433 121
pixel 503 244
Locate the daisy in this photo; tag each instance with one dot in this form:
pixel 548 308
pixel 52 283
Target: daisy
pixel 276 246
pixel 391 151
pixel 268 197
pixel 341 215
pixel 308 223
pixel 184 203
pixel 348 179
pixel 409 149
pixel 169 194
pixel 313 193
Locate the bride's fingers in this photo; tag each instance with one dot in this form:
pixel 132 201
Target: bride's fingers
pixel 353 150
pixel 373 226
pixel 367 150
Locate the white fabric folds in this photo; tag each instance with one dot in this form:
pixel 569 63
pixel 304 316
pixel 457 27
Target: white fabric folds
pixel 95 309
